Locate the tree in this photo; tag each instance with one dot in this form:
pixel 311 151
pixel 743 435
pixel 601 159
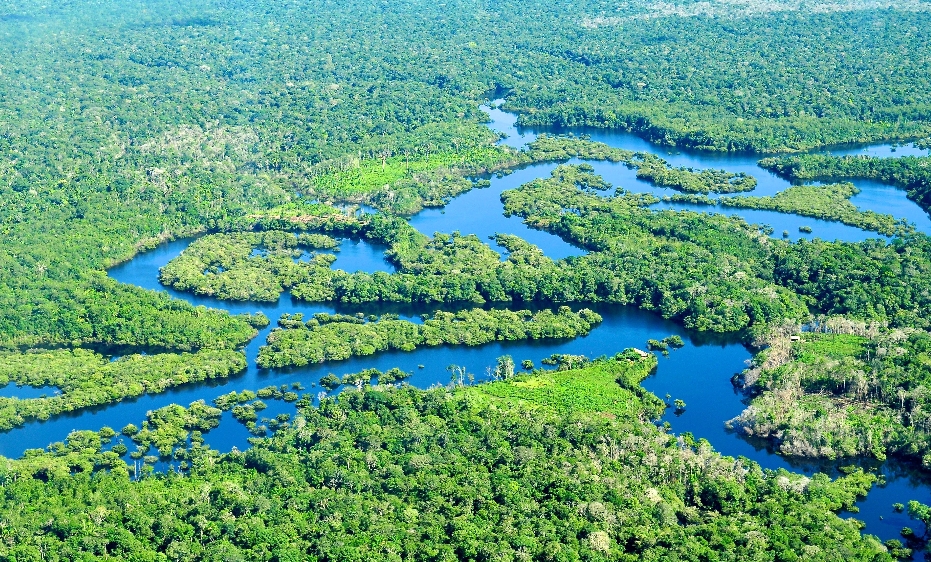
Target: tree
pixel 922 513
pixel 505 367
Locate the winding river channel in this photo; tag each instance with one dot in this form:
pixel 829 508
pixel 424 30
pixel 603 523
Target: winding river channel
pixel 699 373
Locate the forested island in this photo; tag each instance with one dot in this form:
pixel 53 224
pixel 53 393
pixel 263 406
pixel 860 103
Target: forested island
pixel 278 137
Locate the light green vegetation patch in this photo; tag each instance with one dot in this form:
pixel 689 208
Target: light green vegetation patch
pixel 831 346
pixel 606 387
pixel 828 202
pixel 403 184
pixel 360 176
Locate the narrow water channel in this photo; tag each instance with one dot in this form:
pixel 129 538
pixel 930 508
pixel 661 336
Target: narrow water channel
pixel 699 373
pixel 900 482
pixel 873 196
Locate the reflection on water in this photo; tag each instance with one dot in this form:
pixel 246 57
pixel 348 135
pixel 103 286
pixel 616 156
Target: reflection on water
pixel 356 255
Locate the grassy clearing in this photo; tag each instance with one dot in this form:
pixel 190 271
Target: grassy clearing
pixel 361 176
pixel 608 387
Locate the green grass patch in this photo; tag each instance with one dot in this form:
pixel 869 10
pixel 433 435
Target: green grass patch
pixel 361 176
pixel 607 387
pixel 815 347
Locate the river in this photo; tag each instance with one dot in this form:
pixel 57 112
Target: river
pixel 699 373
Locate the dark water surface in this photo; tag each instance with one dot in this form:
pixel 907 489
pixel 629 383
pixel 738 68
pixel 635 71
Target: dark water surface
pixel 699 373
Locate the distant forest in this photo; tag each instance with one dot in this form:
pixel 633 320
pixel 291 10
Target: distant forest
pixel 128 123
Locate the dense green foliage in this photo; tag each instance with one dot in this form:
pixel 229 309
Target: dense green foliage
pixel 84 378
pixel 674 342
pixel 664 260
pixel 546 466
pixel 129 123
pixel 911 173
pixel 828 202
pixel 658 172
pixel 618 230
pixel 661 260
pixel 103 312
pixel 872 280
pixel 745 85
pixel 169 428
pixel 257 320
pixel 657 260
pixel 327 339
pixel 403 186
pixel 150 122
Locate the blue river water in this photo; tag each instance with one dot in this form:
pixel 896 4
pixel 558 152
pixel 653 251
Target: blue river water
pixel 699 373
pixel 873 196
pixel 11 390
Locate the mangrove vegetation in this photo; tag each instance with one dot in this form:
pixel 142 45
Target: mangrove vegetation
pixel 327 338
